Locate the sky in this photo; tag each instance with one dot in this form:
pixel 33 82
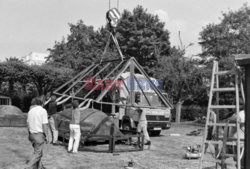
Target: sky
pixel 35 25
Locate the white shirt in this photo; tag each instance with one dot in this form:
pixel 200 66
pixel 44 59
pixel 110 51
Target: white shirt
pixel 242 116
pixel 233 132
pixel 142 118
pixel 212 117
pixel 37 116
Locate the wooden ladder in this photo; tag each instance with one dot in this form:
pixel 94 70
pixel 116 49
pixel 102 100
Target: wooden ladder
pixel 213 105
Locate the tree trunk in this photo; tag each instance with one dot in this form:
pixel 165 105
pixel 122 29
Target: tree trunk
pixel 178 111
pixel 11 88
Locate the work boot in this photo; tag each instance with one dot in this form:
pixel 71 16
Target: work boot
pixel 56 143
pixel 148 143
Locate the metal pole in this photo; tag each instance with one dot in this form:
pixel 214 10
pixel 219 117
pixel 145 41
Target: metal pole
pixel 132 83
pixel 247 121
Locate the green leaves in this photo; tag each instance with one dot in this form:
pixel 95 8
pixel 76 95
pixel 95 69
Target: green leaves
pixel 44 77
pixel 47 77
pixel 142 35
pixel 183 78
pixel 231 36
pixel 82 47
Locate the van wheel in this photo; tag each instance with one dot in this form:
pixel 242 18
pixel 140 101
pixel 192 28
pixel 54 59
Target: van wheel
pixel 126 126
pixel 155 133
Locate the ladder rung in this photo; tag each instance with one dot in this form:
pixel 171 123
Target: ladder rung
pixel 222 124
pixel 219 142
pixel 229 155
pixel 218 161
pixel 223 106
pixel 224 89
pixel 232 139
pixel 223 72
pixel 212 160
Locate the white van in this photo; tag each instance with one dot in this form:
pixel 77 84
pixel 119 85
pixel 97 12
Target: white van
pixel 158 119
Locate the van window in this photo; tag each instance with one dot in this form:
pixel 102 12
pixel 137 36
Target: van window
pixel 152 98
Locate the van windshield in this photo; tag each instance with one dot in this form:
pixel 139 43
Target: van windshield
pixel 153 99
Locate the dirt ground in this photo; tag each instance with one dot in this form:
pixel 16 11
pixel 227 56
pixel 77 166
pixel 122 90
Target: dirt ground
pixel 166 152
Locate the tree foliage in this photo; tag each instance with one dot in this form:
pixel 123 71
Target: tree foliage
pixel 230 36
pixel 143 36
pixel 83 46
pixel 15 73
pixel 183 78
pixel 46 78
pixel 12 71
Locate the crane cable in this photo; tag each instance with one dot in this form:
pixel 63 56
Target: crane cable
pixel 117 4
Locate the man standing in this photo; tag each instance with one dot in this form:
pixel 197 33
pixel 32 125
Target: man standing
pixel 211 129
pixel 37 122
pixel 142 126
pixel 52 109
pixel 74 126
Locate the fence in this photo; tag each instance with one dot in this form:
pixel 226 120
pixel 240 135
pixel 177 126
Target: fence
pixel 5 100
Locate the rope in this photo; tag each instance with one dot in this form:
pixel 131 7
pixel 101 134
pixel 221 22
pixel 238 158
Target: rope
pixel 105 49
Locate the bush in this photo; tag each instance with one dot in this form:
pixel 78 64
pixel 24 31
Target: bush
pixel 22 102
pixel 193 112
pixel 190 113
pixel 16 101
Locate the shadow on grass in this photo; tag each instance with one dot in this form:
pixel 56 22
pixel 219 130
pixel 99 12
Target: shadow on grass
pixel 103 147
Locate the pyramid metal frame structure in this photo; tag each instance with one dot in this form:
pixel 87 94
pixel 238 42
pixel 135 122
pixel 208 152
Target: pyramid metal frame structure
pixel 109 71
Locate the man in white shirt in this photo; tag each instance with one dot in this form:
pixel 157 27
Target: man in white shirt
pixel 37 122
pixel 142 122
pixel 142 126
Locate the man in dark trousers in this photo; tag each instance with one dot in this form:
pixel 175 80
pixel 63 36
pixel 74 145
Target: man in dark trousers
pixel 53 103
pixel 37 123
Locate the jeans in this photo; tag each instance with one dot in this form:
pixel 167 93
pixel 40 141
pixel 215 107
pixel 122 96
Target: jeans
pixel 74 138
pixel 37 140
pixel 142 127
pixel 53 130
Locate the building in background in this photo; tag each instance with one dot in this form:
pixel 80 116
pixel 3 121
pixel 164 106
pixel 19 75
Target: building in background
pixel 35 58
pixel 4 100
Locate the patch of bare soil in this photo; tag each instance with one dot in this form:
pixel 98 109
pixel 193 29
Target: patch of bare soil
pixel 166 152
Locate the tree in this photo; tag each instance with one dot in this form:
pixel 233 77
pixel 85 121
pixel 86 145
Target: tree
pixel 231 36
pixel 46 78
pixel 19 75
pixel 12 71
pixel 142 35
pixel 83 46
pixel 183 79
